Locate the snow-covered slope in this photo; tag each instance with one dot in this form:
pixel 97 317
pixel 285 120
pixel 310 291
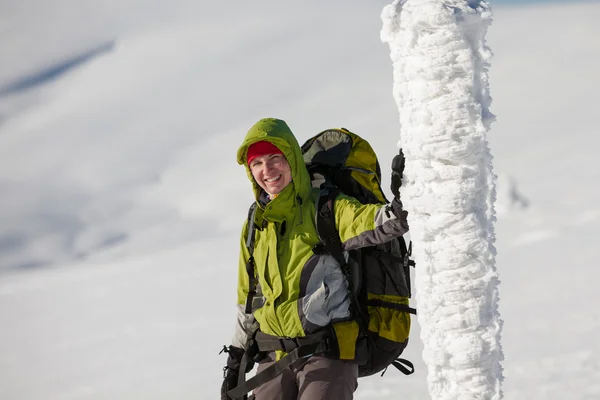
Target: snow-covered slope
pixel 121 202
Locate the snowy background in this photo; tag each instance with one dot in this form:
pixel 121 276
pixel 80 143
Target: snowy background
pixel 121 201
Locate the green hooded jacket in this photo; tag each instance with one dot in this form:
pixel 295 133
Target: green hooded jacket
pixel 301 292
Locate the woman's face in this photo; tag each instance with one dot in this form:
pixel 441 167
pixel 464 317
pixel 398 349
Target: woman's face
pixel 272 172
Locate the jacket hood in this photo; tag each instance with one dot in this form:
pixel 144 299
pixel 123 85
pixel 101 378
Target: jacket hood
pixel 278 133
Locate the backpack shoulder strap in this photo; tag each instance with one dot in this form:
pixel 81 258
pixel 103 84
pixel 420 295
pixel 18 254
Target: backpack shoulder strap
pixel 251 228
pixel 250 262
pixel 329 236
pixel 331 243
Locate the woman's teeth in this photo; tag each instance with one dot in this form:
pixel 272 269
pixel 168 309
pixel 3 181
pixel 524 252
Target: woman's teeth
pixel 271 180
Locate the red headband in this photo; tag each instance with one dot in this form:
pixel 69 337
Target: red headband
pixel 260 149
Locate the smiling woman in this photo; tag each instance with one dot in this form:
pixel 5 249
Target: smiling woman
pixel 136 142
pixel 287 289
pixel 269 167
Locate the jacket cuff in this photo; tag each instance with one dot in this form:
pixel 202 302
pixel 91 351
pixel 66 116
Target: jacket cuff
pixel 399 212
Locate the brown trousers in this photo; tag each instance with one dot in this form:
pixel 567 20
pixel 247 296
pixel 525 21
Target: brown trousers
pixel 319 378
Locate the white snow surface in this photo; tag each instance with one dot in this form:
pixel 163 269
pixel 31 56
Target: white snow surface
pixel 121 202
pixel 441 63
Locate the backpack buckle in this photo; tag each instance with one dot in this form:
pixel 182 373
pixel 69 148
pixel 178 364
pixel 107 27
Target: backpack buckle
pixel 319 249
pixel 288 344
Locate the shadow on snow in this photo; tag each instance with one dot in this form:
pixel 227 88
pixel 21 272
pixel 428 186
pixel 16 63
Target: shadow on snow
pixel 53 72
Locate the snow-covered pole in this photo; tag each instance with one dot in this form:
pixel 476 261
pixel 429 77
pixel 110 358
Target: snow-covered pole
pixel 441 60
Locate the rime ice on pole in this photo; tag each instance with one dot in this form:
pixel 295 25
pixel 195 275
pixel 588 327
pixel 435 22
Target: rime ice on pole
pixel 441 88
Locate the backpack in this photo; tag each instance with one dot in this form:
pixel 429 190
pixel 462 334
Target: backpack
pixel 340 161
